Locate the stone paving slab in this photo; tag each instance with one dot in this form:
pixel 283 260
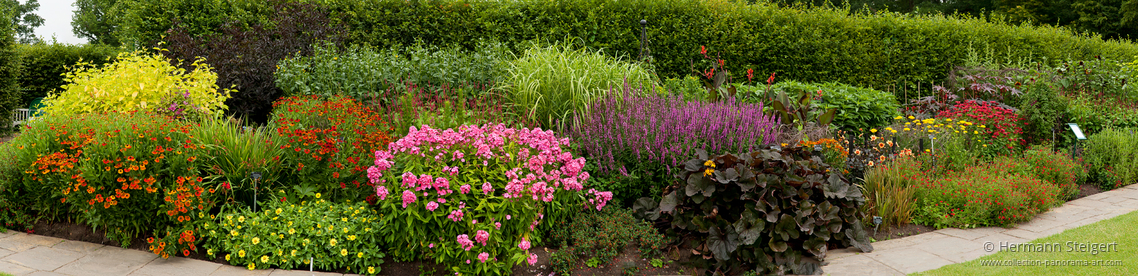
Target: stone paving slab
pixel 932 250
pixel 108 261
pixel 43 258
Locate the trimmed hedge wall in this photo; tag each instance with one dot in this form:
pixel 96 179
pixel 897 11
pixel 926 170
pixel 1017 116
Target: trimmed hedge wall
pixel 803 43
pixel 44 65
pixel 9 69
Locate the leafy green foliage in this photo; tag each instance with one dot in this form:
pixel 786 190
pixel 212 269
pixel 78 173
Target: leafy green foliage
pixel 550 84
pixel 856 108
pixel 1042 110
pixel 1112 158
pixel 141 24
pixel 810 44
pixel 287 234
pixel 363 72
pixel 778 210
pixel 45 64
pixel 24 19
pixel 602 235
pixel 245 58
pixel 9 68
pixel 234 153
pixel 135 82
pixel 98 20
pixel 1057 168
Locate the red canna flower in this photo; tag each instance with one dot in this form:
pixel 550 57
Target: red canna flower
pixel 750 74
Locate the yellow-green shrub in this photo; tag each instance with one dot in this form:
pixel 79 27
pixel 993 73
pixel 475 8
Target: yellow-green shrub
pixel 137 81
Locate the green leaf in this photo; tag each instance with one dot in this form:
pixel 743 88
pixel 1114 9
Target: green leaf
pixel 668 203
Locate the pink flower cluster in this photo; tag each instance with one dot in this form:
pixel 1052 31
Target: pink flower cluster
pixel 465 242
pixel 541 166
pixel 600 198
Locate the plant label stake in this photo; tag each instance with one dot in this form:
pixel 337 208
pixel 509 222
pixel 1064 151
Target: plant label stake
pixel 876 224
pixel 310 263
pixel 1078 135
pixel 256 176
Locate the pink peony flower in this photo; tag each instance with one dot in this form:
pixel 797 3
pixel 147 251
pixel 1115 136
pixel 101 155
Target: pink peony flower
pixel 482 257
pixel 482 236
pixel 381 191
pixel 408 198
pixel 431 206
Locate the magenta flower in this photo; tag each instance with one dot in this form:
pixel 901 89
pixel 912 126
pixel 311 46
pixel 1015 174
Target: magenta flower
pixel 482 236
pixel 373 174
pixel 464 189
pixel 482 257
pixel 432 245
pixel 497 225
pixel 408 198
pixel 524 245
pixel 486 188
pixel 532 259
pixel 431 206
pixel 455 215
pixel 465 242
pixel 409 180
pixel 381 191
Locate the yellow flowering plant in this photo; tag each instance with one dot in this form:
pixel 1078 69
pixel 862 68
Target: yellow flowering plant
pixel 288 235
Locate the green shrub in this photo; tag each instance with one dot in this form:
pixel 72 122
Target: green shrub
pixel 999 193
pixel 45 64
pixel 135 82
pixel 550 84
pixel 363 72
pixel 858 108
pixel 810 44
pixel 601 236
pixel 447 107
pixel 143 23
pixel 1043 109
pixel 10 69
pixel 777 210
pixel 287 234
pixel 1112 158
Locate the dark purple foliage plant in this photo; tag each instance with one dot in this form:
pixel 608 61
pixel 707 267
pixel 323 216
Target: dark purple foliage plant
pixel 639 140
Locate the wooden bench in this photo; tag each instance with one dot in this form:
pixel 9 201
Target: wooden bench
pixel 21 116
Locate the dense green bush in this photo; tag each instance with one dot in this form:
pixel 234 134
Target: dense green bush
pixel 45 64
pixel 1057 168
pixel 551 84
pixel 144 23
pixel 858 108
pixel 1112 158
pixel 290 233
pixel 245 58
pixel 9 70
pixel 363 72
pixel 600 236
pixel 777 210
pixel 1043 109
pixel 808 44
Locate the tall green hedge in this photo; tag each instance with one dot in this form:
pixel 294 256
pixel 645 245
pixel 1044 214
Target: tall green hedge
pixel 804 43
pixel 9 68
pixel 45 63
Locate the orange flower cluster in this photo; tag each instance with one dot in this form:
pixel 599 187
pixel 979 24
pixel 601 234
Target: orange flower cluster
pixel 828 143
pixel 330 137
pixel 184 197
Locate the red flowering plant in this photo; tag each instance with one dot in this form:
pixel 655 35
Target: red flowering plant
pixel 1000 193
pixel 471 197
pixel 119 170
pixel 1001 125
pixel 328 144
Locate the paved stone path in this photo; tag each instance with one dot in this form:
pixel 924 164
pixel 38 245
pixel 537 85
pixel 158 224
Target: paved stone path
pixel 24 254
pixel 932 250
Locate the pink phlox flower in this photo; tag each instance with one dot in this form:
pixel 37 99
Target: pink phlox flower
pixel 482 236
pixel 431 206
pixel 524 245
pixel 464 189
pixel 465 242
pixel 408 198
pixel 483 257
pixel 381 192
pixel 532 259
pixel 455 215
pixel 409 180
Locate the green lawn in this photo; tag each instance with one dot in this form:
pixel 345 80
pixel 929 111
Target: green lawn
pixel 1123 256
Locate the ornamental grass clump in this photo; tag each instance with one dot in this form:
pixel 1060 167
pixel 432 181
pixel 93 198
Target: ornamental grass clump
pixel 471 197
pixel 648 137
